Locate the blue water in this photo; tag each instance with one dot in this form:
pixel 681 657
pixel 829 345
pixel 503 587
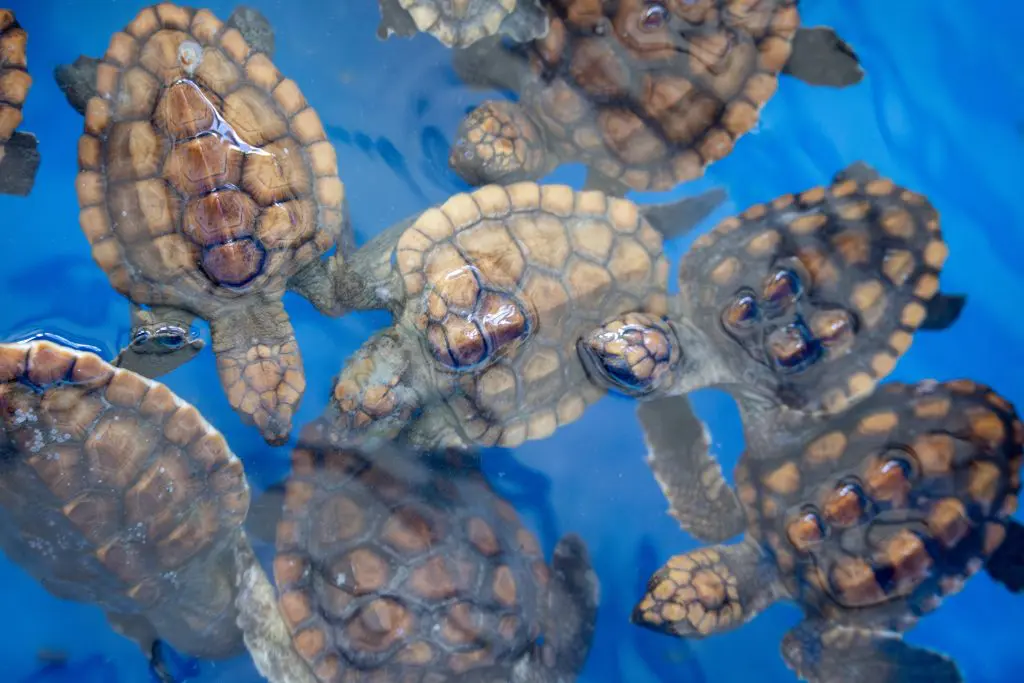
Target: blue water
pixel 941 111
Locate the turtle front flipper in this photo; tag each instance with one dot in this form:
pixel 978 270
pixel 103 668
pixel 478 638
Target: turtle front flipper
pixel 691 479
pixel 259 365
pixel 820 652
pixel 811 299
pixel 527 22
pixel 487 64
pixel 678 218
pixel 394 21
pixel 372 399
pixel 1006 565
pixel 499 142
pixel 596 180
pixel 162 341
pixel 265 632
pixel 19 153
pixel 821 57
pixel 708 591
pixel 570 617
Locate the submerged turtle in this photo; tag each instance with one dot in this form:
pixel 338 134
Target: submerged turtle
pixel 866 521
pixel 115 492
pixel 645 93
pixel 460 23
pixel 19 154
pixel 399 567
pixel 805 302
pixel 206 185
pixel 490 292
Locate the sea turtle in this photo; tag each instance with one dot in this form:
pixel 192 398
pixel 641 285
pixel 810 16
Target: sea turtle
pixel 866 521
pixel 461 23
pixel 115 492
pixel 19 154
pixel 206 185
pixel 393 565
pixel 490 292
pixel 804 302
pixel 645 93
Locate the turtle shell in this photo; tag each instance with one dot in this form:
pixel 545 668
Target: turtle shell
pixel 816 296
pixel 890 506
pixel 502 281
pixel 203 173
pixel 401 567
pixel 651 92
pixel 458 23
pixel 116 492
pixel 14 78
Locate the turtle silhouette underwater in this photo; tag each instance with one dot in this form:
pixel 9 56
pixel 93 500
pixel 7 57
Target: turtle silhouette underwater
pixel 395 565
pixel 19 153
pixel 805 302
pixel 644 93
pixel 489 293
pixel 461 23
pixel 116 493
pixel 867 521
pixel 206 185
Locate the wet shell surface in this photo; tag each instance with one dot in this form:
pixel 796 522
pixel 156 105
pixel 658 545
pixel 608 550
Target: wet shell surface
pixel 650 93
pixel 116 492
pixel 14 78
pixel 399 570
pixel 894 504
pixel 817 295
pixel 502 281
pixel 204 174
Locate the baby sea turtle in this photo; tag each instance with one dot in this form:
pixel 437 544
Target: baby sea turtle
pixel 806 302
pixel 394 566
pixel 19 154
pixel 115 492
pixel 645 93
pixel 206 184
pixel 460 23
pixel 490 292
pixel 866 521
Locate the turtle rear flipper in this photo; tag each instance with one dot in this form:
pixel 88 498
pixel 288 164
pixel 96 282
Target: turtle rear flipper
pixel 675 219
pixel 78 81
pixel 943 310
pixel 570 617
pixel 19 161
pixel 1006 565
pixel 691 479
pixel 394 21
pixel 821 57
pixel 822 653
pixel 528 22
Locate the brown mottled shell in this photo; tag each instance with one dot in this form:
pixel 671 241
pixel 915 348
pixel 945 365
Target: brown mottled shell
pixel 892 505
pixel 816 296
pixel 14 78
pixel 203 173
pixel 402 568
pixel 502 281
pixel 459 23
pixel 652 105
pixel 114 491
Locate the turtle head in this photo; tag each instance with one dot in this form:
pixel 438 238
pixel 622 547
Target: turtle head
pixel 499 143
pixel 637 354
pixel 696 594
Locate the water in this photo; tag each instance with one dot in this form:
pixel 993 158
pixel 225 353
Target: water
pixel 941 111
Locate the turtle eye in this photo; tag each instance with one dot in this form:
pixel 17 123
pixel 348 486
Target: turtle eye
pixel 654 16
pixel 141 337
pixel 742 313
